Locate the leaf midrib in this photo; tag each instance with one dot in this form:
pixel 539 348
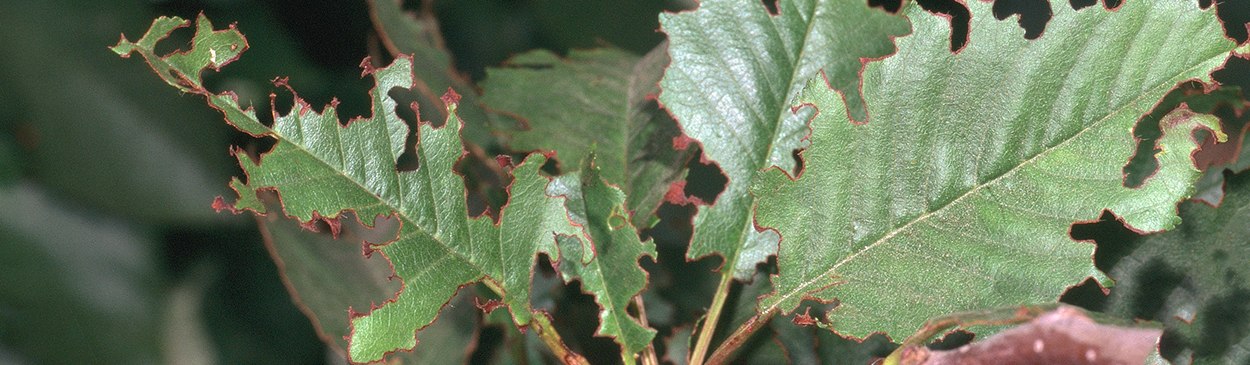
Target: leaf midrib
pixel 800 289
pixel 402 214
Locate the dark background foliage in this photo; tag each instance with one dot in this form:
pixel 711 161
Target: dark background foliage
pixel 109 250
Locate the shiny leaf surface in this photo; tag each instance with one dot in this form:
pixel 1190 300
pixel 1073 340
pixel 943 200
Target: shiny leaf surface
pixel 735 73
pixel 959 191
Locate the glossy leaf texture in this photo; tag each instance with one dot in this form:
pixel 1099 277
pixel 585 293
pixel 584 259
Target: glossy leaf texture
pixel 1193 279
pixel 959 191
pixel 735 73
pixel 604 98
pixel 321 168
pixel 614 277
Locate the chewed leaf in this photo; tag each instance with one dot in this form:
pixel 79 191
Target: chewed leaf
pixel 605 98
pixel 614 277
pixel 321 168
pixel 736 71
pixel 182 70
pixel 959 191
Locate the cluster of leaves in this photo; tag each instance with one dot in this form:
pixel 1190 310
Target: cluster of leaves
pixel 892 178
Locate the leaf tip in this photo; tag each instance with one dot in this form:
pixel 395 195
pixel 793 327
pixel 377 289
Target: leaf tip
pixel 219 204
pixel 123 48
pixel 245 201
pixel 451 98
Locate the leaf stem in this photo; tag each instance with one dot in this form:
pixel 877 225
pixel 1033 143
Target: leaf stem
pixel 541 323
pixel 648 354
pixel 713 315
pixel 740 336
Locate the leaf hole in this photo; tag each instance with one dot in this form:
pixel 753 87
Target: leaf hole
pixel 280 103
pixel 1143 164
pixel 1234 73
pixel 768 266
pixel 551 167
pixel 772 7
pixel 956 13
pixel 616 221
pixel 952 340
pixel 576 318
pixel 797 155
pixel 1113 240
pixel 178 40
pixel 705 180
pixel 1081 4
pixel 659 144
pixel 543 266
pixel 889 6
pixel 252 146
pixel 1034 14
pixel 486 185
pixel 406 109
pixel 1086 295
pixel 674 228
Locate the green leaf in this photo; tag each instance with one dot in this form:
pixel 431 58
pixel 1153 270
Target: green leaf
pixel 614 277
pixel 1193 279
pixel 735 73
pixel 321 168
pixel 171 146
pixel 325 275
pixel 960 190
pixel 604 97
pixel 182 70
pixel 1233 156
pixel 416 34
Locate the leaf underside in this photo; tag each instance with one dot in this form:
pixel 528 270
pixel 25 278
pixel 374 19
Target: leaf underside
pixel 959 190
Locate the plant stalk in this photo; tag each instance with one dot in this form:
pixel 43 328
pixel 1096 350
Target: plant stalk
pixel 648 354
pixel 710 320
pixel 739 337
pixel 541 323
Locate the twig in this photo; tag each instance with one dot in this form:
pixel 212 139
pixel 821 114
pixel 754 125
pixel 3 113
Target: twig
pixel 648 354
pixel 541 324
pixel 739 337
pixel 710 320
